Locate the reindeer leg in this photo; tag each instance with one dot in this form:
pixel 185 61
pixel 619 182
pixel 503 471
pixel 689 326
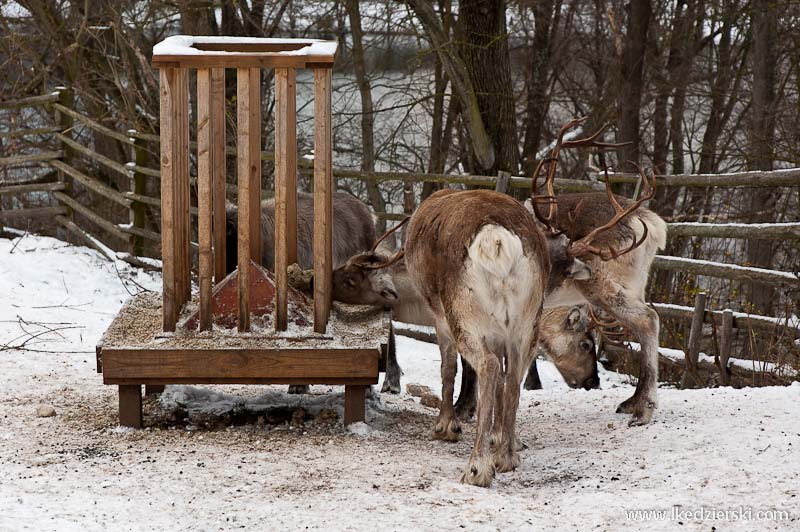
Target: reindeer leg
pixel 631 310
pixel 447 427
pixel 506 455
pixel 299 388
pixel 532 381
pixel 468 396
pixel 480 467
pixel 391 379
pixel 643 322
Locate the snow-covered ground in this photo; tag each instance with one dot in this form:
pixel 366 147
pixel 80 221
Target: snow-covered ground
pixel 199 467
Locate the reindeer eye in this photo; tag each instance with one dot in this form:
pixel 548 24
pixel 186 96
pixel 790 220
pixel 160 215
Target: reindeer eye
pixel 586 345
pixel 351 283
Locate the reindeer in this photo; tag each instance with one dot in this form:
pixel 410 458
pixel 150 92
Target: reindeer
pixel 601 222
pixel 353 230
pixel 565 333
pixel 484 268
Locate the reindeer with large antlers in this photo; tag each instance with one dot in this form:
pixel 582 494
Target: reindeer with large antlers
pixel 618 238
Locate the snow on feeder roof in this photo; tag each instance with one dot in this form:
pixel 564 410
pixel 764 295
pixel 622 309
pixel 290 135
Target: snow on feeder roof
pixel 232 52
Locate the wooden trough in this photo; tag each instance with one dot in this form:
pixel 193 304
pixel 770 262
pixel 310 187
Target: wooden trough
pixel 250 327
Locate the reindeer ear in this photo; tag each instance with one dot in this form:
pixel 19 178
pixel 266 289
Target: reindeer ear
pixel 579 271
pixel 573 318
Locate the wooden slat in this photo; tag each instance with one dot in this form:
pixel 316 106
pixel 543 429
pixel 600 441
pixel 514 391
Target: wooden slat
pixel 27 132
pixel 144 233
pixel 182 186
pixel 323 194
pixel 91 215
pixel 91 241
pixel 92 184
pixel 243 380
pixel 121 363
pixel 244 164
pixel 205 163
pixel 238 61
pixel 285 167
pixel 91 124
pixel 29 101
pixel 31 213
pixel 32 158
pixel 254 148
pixel 93 155
pixel 32 187
pixel 168 200
pixel 218 169
pixel 727 271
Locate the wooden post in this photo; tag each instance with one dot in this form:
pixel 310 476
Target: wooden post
pixel 130 405
pixel 323 199
pixel 501 185
pixel 285 188
pixel 169 101
pixel 138 187
pixel 691 378
pixel 218 169
pixel 205 163
pixel 244 164
pixel 181 157
pixel 64 124
pixel 354 403
pixel 254 148
pixel 725 346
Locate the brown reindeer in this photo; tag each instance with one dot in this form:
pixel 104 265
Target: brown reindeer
pixel 565 333
pixel 601 224
pixel 353 230
pixel 484 270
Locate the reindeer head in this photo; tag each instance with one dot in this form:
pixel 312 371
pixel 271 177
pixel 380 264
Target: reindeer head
pixel 359 282
pixel 565 336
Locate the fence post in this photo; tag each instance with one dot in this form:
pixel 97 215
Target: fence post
pixel 139 187
pixel 501 185
pixel 725 345
pixel 691 377
pixel 64 124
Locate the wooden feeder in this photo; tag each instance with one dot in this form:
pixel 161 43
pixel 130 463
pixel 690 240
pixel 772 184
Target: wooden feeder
pixel 177 339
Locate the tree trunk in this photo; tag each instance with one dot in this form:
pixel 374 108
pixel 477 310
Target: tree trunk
pixel 367 111
pixel 537 75
pixel 484 36
pixel 761 139
pixel 629 99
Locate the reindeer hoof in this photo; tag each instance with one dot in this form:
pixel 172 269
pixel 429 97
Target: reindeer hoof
pixel 627 406
pixel 391 386
pixel 479 474
pixel 447 430
pixel 464 412
pixel 642 414
pixel 299 388
pixel 506 461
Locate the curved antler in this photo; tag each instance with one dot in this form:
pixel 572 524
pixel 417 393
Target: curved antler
pixel 552 164
pixel 584 245
pixel 396 257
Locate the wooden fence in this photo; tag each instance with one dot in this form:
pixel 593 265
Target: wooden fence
pixel 104 234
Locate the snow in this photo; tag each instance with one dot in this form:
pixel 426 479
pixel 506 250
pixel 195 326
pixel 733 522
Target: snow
pixel 184 45
pixel 711 449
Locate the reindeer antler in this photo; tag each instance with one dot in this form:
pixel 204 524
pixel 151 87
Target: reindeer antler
pixel 584 245
pixel 552 162
pixel 612 330
pixel 396 257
